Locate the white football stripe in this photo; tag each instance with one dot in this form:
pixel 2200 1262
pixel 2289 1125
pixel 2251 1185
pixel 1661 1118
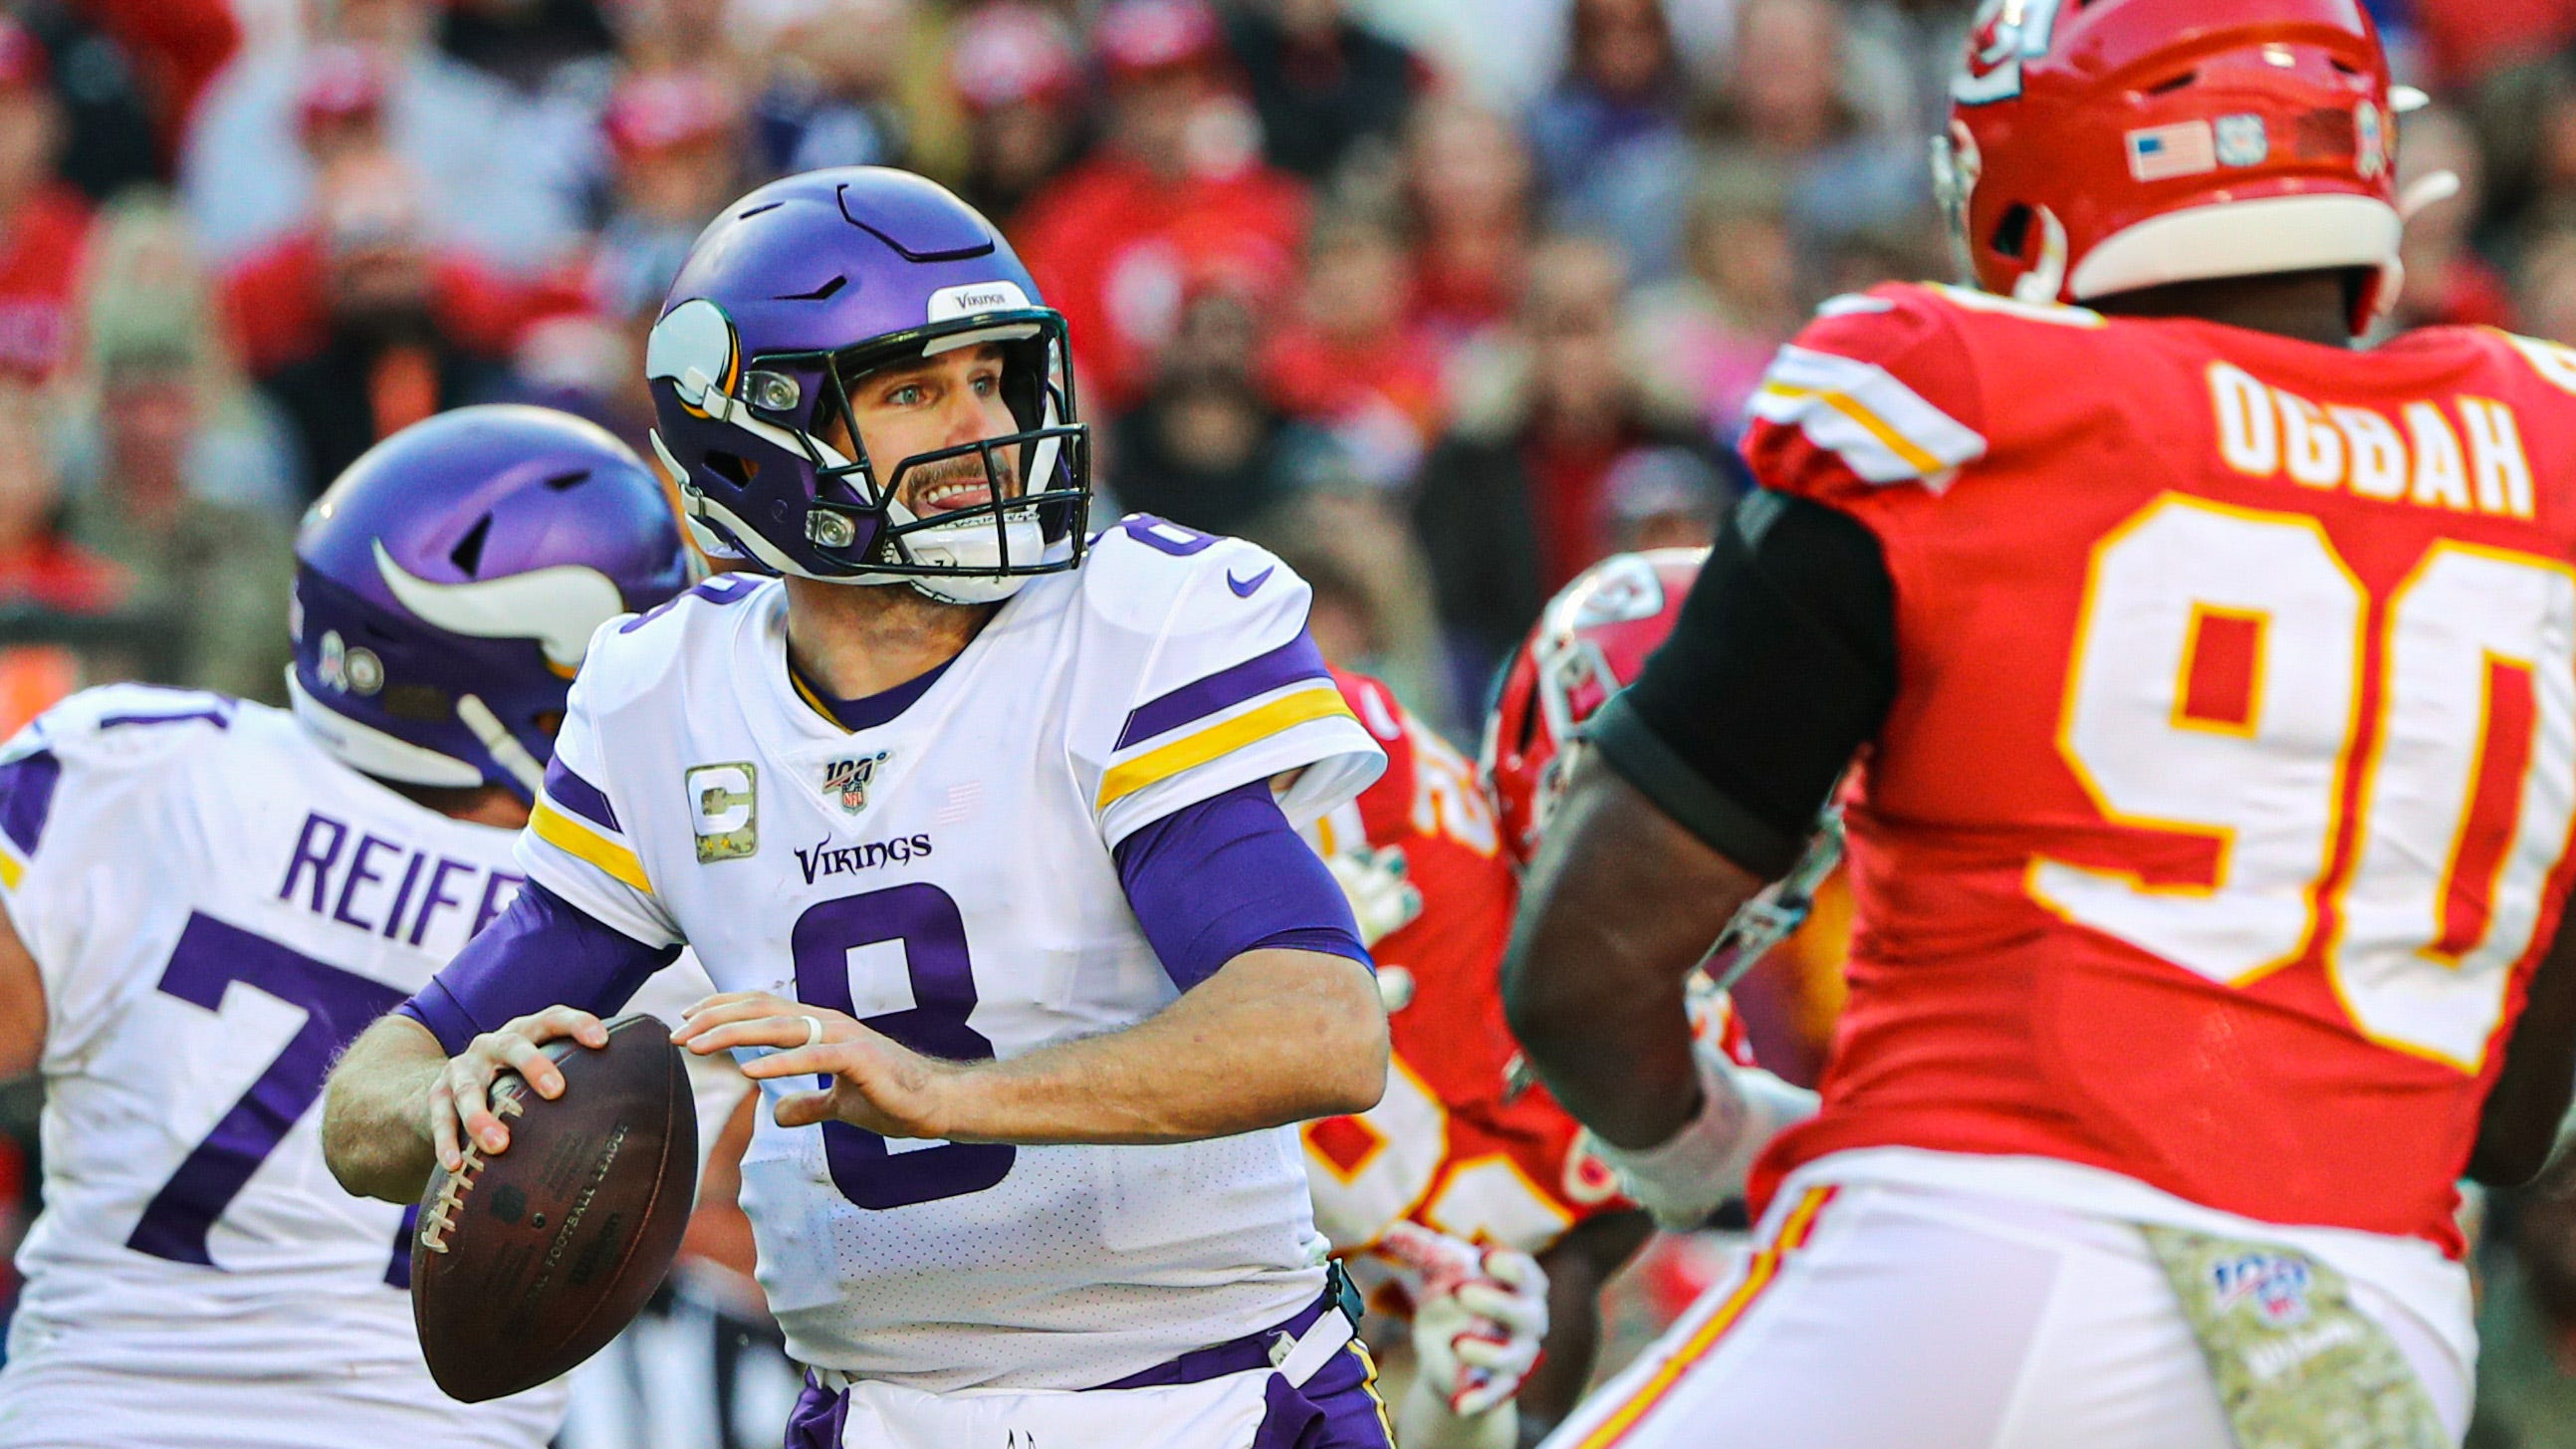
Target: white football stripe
pixel 559 607
pixel 1883 430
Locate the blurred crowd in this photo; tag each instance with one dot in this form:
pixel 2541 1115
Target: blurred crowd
pixel 1442 299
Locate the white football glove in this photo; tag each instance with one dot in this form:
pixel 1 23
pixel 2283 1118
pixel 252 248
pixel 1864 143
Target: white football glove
pixel 1705 1164
pixel 1479 1321
pixel 1382 900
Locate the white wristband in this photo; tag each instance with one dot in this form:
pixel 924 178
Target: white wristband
pixel 1705 1164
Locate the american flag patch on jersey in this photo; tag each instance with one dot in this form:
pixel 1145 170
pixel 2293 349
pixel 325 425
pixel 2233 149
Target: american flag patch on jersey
pixel 2160 153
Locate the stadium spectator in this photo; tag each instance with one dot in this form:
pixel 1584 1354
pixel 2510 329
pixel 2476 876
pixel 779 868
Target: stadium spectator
pixel 675 140
pixel 1468 179
pixel 174 470
pixel 1512 501
pixel 486 174
pixel 1321 81
pixel 44 224
pixel 1609 140
pixel 1205 447
pixel 1351 360
pixel 1664 498
pixel 1018 77
pixel 40 567
pixel 1713 329
pixel 1177 188
pixel 1785 101
pixel 174 48
pixel 831 99
pixel 360 324
pixel 109 140
pixel 524 43
pixel 657 34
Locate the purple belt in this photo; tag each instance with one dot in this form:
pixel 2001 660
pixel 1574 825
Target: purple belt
pixel 1234 1356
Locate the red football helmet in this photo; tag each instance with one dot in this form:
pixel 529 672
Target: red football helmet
pixel 2113 145
pixel 1590 643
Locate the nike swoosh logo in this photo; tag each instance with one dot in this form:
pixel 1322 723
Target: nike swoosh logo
pixel 1246 588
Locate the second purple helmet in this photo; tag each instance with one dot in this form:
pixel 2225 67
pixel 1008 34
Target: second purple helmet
pixel 448 584
pixel 800 287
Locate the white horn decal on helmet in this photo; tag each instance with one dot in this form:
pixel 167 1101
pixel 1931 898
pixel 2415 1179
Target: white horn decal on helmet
pixel 559 607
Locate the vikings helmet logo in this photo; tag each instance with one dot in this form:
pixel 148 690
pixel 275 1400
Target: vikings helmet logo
pixel 2006 33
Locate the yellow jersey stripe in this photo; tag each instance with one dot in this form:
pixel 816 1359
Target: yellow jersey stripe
pixel 574 836
pixel 12 869
pixel 1914 455
pixel 1319 700
pixel 1758 1276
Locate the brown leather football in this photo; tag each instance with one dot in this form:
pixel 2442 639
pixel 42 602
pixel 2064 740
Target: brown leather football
pixel 528 1262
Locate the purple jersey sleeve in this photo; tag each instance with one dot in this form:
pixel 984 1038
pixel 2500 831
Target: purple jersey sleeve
pixel 1227 875
pixel 541 952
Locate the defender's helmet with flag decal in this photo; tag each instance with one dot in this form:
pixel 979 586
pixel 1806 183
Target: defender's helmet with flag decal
pixel 1590 642
pixel 448 583
pixel 2103 146
pixel 805 285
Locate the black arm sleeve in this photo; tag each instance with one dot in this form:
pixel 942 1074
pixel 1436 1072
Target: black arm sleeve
pixel 1782 665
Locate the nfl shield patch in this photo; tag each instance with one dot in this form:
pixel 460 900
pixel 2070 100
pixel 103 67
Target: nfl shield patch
pixel 847 780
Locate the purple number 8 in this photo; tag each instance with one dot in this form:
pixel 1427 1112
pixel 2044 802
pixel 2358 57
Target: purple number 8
pixel 1165 536
pixel 925 920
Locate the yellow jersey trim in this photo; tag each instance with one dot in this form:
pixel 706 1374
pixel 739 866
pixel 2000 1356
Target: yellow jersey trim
pixel 1318 700
pixel 572 836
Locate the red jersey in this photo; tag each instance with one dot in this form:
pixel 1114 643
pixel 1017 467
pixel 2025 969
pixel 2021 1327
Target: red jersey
pixel 1456 1145
pixel 2223 807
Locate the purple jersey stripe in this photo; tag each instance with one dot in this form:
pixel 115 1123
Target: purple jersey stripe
pixel 1298 659
pixel 27 797
pixel 221 719
pixel 579 796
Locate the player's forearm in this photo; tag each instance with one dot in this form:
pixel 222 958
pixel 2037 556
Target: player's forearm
pixel 1619 905
pixel 1276 1036
pixel 375 1111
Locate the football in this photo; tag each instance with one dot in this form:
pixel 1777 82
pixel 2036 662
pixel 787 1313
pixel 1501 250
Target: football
pixel 528 1262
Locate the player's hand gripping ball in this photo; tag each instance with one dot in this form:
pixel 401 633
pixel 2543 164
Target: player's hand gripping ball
pixel 529 1260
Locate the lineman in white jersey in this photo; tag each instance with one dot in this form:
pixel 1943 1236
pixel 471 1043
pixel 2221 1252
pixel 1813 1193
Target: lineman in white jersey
pixel 207 899
pixel 988 832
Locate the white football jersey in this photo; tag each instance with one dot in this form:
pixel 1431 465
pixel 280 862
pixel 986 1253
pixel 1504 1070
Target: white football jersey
pixel 946 876
pixel 216 907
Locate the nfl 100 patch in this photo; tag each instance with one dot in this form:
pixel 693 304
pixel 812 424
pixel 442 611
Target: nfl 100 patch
pixel 846 780
pixel 724 809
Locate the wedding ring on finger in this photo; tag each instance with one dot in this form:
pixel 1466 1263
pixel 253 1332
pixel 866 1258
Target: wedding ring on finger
pixel 813 1029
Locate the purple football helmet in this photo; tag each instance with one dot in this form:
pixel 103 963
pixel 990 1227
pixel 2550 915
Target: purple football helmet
pixel 801 287
pixel 449 582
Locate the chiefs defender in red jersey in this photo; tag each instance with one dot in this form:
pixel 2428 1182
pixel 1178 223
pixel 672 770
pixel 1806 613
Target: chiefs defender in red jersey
pixel 1463 1145
pixel 2214 687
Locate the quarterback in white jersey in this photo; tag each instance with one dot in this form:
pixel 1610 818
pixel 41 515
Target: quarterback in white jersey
pixel 207 899
pixel 987 827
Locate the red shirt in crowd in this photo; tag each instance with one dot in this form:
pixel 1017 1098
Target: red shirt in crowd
pixel 1115 250
pixel 42 251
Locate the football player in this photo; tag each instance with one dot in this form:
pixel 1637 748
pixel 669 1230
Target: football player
pixel 2218 683
pixel 987 829
pixel 1468 1177
pixel 207 899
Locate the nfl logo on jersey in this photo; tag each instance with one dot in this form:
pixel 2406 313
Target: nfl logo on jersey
pixel 2275 1284
pixel 849 779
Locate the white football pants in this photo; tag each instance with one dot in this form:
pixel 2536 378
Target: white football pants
pixel 1864 1316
